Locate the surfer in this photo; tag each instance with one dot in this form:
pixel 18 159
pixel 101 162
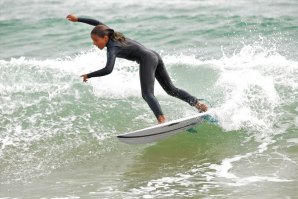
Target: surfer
pixel 151 65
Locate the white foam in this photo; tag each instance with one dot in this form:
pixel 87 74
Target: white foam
pixel 180 184
pixel 223 170
pixel 249 81
pixel 293 140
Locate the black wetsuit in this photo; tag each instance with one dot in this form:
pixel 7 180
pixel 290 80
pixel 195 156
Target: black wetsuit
pixel 151 67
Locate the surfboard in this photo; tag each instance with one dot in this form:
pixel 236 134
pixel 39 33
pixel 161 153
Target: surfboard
pixel 165 130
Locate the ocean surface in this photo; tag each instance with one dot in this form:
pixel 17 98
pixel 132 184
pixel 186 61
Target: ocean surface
pixel 58 134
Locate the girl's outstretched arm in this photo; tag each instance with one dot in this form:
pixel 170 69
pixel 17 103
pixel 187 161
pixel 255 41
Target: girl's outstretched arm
pixel 111 58
pixel 92 22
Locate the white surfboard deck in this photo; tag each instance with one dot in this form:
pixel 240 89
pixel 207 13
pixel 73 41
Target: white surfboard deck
pixel 162 131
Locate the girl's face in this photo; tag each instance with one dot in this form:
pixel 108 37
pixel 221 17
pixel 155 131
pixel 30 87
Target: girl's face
pixel 98 41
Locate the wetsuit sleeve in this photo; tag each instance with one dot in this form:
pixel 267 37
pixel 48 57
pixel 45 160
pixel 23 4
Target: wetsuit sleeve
pixel 92 22
pixel 111 58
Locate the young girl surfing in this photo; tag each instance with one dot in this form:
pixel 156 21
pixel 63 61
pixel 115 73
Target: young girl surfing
pixel 151 65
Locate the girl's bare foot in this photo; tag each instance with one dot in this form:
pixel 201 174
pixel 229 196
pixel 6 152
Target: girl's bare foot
pixel 201 107
pixel 161 119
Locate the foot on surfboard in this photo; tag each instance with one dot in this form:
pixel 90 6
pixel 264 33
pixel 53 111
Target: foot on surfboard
pixel 203 108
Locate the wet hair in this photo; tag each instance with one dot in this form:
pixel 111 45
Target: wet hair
pixel 102 30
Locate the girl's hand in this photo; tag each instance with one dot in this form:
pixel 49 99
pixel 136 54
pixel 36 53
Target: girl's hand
pixel 84 78
pixel 72 18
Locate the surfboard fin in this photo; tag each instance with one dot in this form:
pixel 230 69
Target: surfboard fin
pixel 192 130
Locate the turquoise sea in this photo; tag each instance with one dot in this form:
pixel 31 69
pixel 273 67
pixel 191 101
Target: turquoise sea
pixel 58 134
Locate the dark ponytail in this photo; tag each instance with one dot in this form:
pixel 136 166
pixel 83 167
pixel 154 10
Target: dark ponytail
pixel 102 30
pixel 118 36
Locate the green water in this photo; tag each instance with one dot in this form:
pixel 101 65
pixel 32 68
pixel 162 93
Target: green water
pixel 58 134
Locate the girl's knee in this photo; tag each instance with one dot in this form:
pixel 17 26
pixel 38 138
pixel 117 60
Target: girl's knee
pixel 146 96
